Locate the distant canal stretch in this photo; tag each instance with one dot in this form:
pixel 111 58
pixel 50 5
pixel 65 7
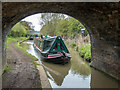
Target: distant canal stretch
pixel 76 74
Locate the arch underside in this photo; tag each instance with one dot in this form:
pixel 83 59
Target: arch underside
pixel 101 21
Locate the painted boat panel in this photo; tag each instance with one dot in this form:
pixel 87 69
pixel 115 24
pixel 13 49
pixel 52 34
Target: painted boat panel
pixel 52 49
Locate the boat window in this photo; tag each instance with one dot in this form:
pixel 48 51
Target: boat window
pixel 37 42
pixel 41 44
pixel 47 45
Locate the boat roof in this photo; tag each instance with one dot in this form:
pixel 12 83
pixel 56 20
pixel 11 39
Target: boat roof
pixel 50 38
pixel 47 38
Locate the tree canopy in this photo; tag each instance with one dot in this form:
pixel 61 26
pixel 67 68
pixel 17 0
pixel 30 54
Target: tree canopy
pixel 58 24
pixel 21 29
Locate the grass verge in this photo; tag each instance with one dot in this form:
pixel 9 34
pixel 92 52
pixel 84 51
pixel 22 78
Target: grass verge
pixel 10 39
pixel 24 50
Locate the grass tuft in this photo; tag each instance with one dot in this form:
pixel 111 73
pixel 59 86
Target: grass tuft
pixel 8 68
pixel 10 39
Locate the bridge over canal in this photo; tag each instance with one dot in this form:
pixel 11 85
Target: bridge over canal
pixel 101 20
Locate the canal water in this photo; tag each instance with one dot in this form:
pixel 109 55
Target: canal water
pixel 76 74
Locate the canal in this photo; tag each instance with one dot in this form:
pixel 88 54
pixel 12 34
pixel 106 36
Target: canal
pixel 76 74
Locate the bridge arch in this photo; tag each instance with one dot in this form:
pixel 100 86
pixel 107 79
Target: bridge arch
pixel 101 21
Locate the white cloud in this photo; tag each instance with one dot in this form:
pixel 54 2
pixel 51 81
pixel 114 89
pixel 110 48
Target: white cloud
pixel 35 21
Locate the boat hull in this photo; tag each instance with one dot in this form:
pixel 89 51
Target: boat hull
pixel 56 60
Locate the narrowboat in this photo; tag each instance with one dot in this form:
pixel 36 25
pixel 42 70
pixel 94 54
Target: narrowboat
pixel 52 49
pixel 31 37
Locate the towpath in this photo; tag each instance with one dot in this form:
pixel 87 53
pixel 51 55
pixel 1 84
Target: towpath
pixel 23 73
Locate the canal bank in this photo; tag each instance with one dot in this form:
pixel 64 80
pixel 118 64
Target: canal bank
pixel 23 72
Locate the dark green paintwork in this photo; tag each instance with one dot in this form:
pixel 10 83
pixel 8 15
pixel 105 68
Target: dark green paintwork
pixel 58 41
pixel 53 42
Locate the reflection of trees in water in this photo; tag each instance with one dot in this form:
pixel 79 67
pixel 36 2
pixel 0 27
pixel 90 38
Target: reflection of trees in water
pixel 76 73
pixel 82 69
pixel 58 72
pixel 78 66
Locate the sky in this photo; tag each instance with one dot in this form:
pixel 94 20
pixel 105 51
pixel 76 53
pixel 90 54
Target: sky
pixel 35 21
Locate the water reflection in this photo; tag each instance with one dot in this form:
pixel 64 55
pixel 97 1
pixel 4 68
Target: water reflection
pixel 76 74
pixel 78 66
pixel 58 72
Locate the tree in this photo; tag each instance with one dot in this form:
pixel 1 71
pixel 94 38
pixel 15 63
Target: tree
pixel 18 31
pixel 59 25
pixel 62 28
pixel 27 25
pixel 49 22
pixel 74 27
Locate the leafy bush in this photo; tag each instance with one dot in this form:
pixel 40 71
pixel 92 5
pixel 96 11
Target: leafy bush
pixel 73 44
pixel 86 52
pixel 88 55
pixel 82 52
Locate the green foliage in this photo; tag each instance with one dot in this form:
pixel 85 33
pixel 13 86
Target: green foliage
pixel 88 55
pixel 8 68
pixel 27 25
pixel 65 27
pixel 48 29
pixel 62 28
pixel 49 22
pixel 73 44
pixel 86 52
pixel 18 31
pixel 74 27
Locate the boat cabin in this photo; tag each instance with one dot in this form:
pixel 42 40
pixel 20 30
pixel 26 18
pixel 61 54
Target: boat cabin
pixel 54 44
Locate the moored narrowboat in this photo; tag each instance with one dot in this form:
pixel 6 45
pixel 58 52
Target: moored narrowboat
pixel 52 49
pixel 31 37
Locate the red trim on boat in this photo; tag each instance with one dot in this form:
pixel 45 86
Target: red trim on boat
pixel 57 55
pixel 68 55
pixel 38 47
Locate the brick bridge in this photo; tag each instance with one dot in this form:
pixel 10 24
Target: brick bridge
pixel 101 20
